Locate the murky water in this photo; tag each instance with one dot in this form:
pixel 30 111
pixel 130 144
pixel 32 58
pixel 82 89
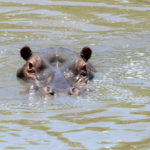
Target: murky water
pixel 116 115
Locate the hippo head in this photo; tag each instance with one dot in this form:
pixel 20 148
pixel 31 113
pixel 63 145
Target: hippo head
pixel 56 70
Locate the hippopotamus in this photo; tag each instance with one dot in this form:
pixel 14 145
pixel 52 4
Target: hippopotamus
pixel 56 70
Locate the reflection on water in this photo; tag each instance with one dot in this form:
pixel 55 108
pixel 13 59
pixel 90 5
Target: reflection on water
pixel 116 114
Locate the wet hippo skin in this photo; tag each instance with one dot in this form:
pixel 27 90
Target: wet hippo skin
pixel 56 70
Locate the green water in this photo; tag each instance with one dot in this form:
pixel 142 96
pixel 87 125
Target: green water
pixel 116 115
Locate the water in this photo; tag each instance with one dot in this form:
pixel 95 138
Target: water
pixel 116 115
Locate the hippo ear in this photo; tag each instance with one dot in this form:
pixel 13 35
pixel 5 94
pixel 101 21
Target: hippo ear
pixel 86 53
pixel 26 52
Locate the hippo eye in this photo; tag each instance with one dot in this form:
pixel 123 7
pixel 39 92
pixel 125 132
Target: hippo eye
pixel 30 65
pixel 84 71
pixel 31 69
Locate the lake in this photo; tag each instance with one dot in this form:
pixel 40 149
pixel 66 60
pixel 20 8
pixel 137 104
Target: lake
pixel 116 114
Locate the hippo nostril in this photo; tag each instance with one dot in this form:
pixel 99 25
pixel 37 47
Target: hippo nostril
pixel 49 90
pixel 74 91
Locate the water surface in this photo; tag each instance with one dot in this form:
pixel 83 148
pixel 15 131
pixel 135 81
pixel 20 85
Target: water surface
pixel 116 115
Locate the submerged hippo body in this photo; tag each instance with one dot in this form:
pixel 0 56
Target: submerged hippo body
pixel 56 70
